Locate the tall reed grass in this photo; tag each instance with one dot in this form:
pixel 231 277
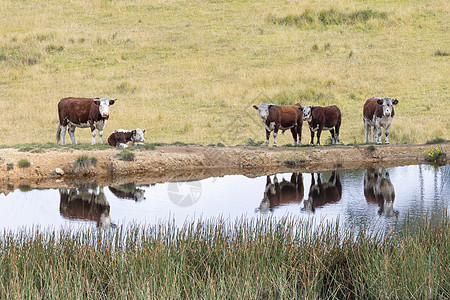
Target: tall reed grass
pixel 262 258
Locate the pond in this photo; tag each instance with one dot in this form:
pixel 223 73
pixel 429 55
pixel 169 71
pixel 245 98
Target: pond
pixel 375 197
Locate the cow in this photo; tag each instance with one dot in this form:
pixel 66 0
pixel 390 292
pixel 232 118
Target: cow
pixel 378 189
pixel 121 138
pixel 320 118
pixel 128 191
pixel 377 113
pixel 83 113
pixel 282 117
pixel 321 194
pixel 286 192
pixel 83 203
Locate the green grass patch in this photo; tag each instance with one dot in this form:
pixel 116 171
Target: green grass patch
pixel 126 155
pixel 436 141
pixel 251 142
pixel 83 162
pixel 324 18
pixel 24 163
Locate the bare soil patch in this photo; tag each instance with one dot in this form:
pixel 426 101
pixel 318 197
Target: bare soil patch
pixel 183 163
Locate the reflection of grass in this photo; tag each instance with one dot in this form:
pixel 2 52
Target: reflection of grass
pixel 263 258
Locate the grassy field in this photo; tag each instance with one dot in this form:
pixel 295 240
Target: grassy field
pixel 249 259
pixel 190 71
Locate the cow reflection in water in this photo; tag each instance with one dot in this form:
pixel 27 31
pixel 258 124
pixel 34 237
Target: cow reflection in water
pixel 86 202
pixel 128 191
pixel 321 194
pixel 286 192
pixel 378 189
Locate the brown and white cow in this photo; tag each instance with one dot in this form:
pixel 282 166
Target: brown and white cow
pixel 321 194
pixel 85 203
pixel 82 112
pixel 377 113
pixel 286 192
pixel 323 117
pixel 282 117
pixel 121 138
pixel 378 189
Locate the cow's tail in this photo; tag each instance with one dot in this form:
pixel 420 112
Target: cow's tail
pixel 58 133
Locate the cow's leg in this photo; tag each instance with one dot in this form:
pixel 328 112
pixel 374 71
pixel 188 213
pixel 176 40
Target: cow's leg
pixel 337 134
pixel 378 134
pixel 100 135
pixel 267 137
pixel 299 132
pixel 312 138
pixel 93 133
pixel 63 135
pixel 386 132
pixel 319 132
pixel 366 131
pixel 332 137
pixel 294 134
pixel 275 133
pixel 72 133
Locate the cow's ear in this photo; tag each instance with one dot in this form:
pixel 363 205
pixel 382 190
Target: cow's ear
pixel 112 101
pixel 269 106
pixel 255 107
pixel 394 102
pixel 133 132
pixel 380 101
pixel 300 108
pixel 96 101
pixel 143 130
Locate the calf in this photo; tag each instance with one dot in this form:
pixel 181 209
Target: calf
pixel 282 117
pixel 321 194
pixel 379 189
pixel 82 112
pixel 120 138
pixel 286 192
pixel 377 113
pixel 320 118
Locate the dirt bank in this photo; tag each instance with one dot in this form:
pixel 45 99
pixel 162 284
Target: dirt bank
pixel 171 163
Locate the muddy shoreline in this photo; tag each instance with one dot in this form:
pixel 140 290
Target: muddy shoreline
pixel 56 168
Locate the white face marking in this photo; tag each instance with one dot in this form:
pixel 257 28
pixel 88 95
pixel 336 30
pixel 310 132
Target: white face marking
pixel 387 104
pixel 263 109
pixel 139 137
pixel 307 113
pixel 103 106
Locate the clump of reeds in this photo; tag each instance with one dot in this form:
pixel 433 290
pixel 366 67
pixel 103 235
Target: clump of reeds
pixel 249 258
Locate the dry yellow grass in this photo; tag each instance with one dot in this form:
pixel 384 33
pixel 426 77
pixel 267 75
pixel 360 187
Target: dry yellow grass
pixel 191 70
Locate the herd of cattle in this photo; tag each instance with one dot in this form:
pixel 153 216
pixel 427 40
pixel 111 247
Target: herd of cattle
pixel 377 113
pixel 94 113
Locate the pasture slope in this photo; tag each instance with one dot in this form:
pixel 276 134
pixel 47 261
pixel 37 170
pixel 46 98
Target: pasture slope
pixel 184 163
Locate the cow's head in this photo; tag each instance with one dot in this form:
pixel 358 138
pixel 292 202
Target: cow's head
pixel 263 109
pixel 307 112
pixel 387 104
pixel 103 105
pixel 138 135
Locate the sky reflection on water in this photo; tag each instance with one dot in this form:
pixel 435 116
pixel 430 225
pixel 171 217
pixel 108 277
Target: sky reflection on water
pixel 356 197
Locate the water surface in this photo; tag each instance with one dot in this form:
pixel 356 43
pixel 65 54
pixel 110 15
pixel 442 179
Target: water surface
pixel 376 198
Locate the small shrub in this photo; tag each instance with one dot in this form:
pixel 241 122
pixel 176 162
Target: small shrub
pixel 54 48
pixel 433 154
pixel 85 162
pixel 251 142
pixel 24 163
pixel 436 141
pixel 371 148
pixel 441 53
pixel 9 166
pixel 126 155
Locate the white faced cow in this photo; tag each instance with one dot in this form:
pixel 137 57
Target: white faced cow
pixel 82 112
pixel 377 113
pixel 121 138
pixel 282 117
pixel 321 194
pixel 320 118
